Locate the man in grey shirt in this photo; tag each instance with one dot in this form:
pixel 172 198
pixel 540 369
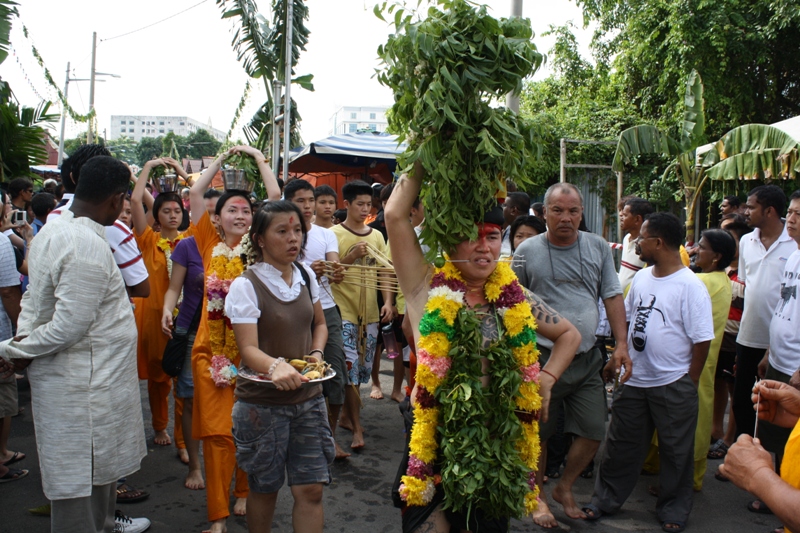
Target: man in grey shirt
pixel 570 270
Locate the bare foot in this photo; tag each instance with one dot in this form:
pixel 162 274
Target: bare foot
pixel 340 453
pixel 376 393
pixel 218 526
pixel 162 438
pixel 346 423
pixel 565 498
pixel 240 507
pixel 183 455
pixel 543 518
pixel 194 480
pixel 398 396
pixel 358 440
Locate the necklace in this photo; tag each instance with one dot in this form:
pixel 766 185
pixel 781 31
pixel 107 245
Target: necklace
pixel 488 436
pixel 576 282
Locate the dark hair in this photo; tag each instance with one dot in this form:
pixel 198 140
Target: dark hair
pixel 3 196
pixel 525 220
pixel 227 195
pixel 415 205
pixel 520 200
pixel 103 177
pixel 355 188
pixel 386 192
pixel 639 206
pixel 77 160
pixel 723 243
pixel 770 196
pixel 59 190
pixel 666 227
pixel 163 198
pixel 42 204
pixel 538 208
pixel 738 227
pixel 263 218
pixel 211 193
pixel 340 215
pixel 733 201
pixel 18 185
pixel 325 190
pixel 295 186
pixel 795 195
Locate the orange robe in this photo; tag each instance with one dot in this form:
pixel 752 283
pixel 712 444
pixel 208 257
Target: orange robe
pixel 152 340
pixel 212 407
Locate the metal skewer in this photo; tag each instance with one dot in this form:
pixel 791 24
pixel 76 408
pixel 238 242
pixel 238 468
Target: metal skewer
pixel 758 406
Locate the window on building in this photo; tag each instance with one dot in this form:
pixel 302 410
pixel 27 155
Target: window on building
pixel 353 116
pixel 130 130
pixel 373 127
pixel 142 130
pixel 171 130
pixel 161 130
pixel 372 116
pixel 161 123
pixel 353 128
pixel 182 123
pixel 122 122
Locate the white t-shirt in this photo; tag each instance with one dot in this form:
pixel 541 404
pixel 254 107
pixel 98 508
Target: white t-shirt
pixel 667 316
pixel 761 271
pixel 320 242
pixel 784 331
pixel 630 263
pixel 123 247
pixel 241 304
pixel 9 277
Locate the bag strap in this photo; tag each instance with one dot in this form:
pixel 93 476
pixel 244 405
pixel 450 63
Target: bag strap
pixel 306 279
pixel 196 317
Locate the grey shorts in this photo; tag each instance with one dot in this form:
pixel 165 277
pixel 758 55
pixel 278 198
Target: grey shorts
pixel 581 393
pixel 334 356
pixel 273 440
pixel 184 384
pixel 9 405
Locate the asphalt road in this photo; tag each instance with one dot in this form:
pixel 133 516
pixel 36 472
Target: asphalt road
pixel 358 500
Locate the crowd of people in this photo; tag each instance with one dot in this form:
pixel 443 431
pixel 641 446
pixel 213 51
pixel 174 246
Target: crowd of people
pixel 194 290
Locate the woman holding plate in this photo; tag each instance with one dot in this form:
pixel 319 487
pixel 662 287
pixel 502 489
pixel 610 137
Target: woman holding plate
pixel 280 426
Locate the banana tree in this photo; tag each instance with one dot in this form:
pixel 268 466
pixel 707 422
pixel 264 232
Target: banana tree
pixel 753 151
pixel 648 139
pixel 261 47
pixel 22 138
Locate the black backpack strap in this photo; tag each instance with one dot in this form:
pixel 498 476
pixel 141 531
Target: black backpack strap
pixel 306 278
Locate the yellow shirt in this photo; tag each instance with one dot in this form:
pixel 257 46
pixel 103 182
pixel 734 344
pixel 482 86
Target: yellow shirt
pixel 790 466
pixel 359 284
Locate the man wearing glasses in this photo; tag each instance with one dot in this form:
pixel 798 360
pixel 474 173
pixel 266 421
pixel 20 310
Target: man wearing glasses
pixel 21 192
pixel 570 271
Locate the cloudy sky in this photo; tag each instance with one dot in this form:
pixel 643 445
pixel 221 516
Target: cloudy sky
pixel 185 66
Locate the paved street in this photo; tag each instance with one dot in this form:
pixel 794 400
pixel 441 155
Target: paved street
pixel 358 499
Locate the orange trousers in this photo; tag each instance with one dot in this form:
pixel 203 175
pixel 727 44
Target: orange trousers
pixel 219 456
pixel 158 396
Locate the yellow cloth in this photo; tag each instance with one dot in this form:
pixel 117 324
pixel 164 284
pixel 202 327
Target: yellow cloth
pixel 790 467
pixel 347 295
pixel 685 257
pixel 399 299
pixel 719 288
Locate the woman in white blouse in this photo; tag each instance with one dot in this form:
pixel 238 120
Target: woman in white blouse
pixel 281 428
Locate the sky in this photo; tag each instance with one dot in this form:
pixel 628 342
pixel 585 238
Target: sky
pixel 186 65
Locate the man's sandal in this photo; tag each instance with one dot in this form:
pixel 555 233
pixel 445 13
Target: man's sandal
pixel 13 474
pixel 673 526
pixel 592 512
pixel 718 450
pixel 757 506
pixel 126 494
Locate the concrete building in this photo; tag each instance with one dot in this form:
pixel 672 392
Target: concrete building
pixel 138 126
pixel 350 119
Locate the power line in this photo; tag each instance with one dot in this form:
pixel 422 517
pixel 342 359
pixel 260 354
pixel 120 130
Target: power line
pixel 154 23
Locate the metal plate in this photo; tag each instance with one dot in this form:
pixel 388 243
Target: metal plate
pixel 260 377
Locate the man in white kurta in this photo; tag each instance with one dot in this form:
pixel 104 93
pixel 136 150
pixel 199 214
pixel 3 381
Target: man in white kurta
pixel 78 329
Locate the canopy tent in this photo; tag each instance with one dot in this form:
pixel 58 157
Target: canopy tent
pixel 368 155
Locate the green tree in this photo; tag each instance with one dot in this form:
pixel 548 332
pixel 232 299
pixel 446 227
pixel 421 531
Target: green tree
pixel 147 149
pixel 746 51
pixel 201 143
pixel 175 146
pixel 124 149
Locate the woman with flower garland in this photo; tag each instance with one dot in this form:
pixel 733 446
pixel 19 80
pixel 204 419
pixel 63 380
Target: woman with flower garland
pixel 156 247
pixel 474 445
pixel 215 354
pixel 281 429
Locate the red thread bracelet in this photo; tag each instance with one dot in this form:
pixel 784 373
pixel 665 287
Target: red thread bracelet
pixel 550 374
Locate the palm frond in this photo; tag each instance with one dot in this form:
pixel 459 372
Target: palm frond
pixel 8 11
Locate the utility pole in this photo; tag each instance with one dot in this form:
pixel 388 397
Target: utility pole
pixel 287 80
pixel 89 135
pixel 63 120
pixel 512 100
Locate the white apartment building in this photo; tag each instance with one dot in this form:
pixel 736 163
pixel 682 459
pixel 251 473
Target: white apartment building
pixel 138 126
pixel 350 119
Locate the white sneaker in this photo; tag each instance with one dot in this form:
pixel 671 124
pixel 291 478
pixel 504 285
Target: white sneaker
pixel 126 524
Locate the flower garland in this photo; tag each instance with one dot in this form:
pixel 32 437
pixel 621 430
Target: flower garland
pixel 489 436
pixel 226 265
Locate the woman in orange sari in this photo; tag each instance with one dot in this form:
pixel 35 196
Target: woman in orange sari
pixel 215 355
pixel 156 248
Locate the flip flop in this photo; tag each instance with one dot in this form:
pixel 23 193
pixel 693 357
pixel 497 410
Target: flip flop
pixel 592 512
pixel 679 527
pixel 18 456
pixel 757 506
pixel 13 474
pixel 126 494
pixel 718 450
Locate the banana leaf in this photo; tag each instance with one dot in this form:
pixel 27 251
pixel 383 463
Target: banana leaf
pixel 694 122
pixel 644 139
pixel 749 139
pixel 764 164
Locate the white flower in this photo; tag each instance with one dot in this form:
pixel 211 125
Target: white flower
pixel 447 292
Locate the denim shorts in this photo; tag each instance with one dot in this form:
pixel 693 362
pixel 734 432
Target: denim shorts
pixel 273 440
pixel 184 384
